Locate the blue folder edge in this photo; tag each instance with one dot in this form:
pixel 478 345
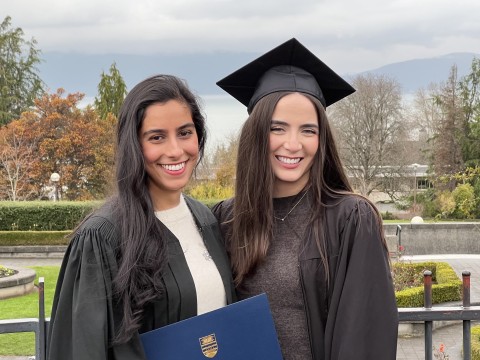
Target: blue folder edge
pixel 243 330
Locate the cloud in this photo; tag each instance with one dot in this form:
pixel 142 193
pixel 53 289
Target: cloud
pixel 350 34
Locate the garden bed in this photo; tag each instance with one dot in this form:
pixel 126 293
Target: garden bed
pixel 20 283
pixel 446 288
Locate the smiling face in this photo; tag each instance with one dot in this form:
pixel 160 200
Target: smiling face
pixel 170 149
pixel 293 143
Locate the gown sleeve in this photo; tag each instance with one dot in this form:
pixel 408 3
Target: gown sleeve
pixel 83 317
pixel 363 317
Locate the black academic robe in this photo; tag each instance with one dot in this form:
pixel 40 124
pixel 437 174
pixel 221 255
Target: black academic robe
pixel 85 314
pixel 354 315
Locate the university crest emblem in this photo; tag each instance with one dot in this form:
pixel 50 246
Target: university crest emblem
pixel 209 345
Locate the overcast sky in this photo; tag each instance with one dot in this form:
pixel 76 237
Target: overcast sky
pixel 349 35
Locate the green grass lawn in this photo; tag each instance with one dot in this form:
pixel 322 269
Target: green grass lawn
pixel 26 306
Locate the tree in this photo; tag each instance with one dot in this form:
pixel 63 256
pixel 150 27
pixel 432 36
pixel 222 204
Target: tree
pixel 225 158
pixel 16 157
pixel 215 176
pixel 425 113
pixel 111 93
pixel 20 83
pixel 449 133
pixel 72 142
pixel 470 94
pixel 370 130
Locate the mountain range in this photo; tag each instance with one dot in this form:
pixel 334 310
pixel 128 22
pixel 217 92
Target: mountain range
pixel 81 72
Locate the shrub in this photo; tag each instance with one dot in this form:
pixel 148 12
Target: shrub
pixel 17 238
pixel 428 201
pixel 4 272
pixel 210 190
pixel 43 215
pixel 475 331
pixel 464 196
pixel 446 204
pixel 476 190
pixel 447 286
pixel 388 216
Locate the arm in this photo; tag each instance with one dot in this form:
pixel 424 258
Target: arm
pixel 82 323
pixel 363 318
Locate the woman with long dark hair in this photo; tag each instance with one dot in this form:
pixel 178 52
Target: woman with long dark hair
pixel 150 256
pixel 295 229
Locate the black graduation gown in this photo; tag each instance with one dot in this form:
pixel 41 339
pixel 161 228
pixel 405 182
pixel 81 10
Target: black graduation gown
pixel 355 316
pixel 85 314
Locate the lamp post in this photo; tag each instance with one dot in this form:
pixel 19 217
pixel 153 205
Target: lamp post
pixel 55 178
pixel 415 186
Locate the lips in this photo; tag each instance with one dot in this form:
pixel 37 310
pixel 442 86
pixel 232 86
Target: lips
pixel 289 160
pixel 174 167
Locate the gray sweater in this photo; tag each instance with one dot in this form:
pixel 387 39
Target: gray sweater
pixel 279 278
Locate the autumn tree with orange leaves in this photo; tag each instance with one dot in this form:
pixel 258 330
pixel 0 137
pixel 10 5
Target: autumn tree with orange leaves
pixel 72 142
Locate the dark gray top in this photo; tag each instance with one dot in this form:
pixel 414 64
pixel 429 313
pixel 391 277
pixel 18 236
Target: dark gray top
pixel 281 267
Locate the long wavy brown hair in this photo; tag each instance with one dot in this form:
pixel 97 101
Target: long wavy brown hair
pixel 142 252
pixel 253 221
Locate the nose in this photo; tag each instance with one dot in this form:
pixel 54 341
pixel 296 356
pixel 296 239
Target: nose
pixel 292 143
pixel 174 149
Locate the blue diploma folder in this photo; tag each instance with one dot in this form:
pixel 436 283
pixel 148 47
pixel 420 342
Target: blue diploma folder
pixel 243 330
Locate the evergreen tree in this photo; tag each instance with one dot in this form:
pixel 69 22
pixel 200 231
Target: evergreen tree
pixel 20 83
pixel 449 134
pixel 470 94
pixel 111 93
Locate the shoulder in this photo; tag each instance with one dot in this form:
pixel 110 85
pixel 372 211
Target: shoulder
pixel 223 210
pixel 98 225
pixel 349 207
pixel 200 211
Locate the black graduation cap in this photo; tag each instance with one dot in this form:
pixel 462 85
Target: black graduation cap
pixel 288 67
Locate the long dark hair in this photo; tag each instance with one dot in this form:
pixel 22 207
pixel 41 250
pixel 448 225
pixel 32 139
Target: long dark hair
pixel 252 223
pixel 142 250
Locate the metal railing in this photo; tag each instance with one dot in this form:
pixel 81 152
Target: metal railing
pixel 429 314
pixel 426 314
pixel 39 326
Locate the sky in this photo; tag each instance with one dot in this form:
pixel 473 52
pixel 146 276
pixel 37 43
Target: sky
pixel 351 35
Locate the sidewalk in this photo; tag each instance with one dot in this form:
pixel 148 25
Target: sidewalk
pixel 407 348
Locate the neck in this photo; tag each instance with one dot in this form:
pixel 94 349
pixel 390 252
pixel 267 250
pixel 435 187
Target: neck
pixel 284 189
pixel 165 200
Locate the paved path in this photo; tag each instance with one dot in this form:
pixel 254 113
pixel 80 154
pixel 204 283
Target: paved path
pixel 412 348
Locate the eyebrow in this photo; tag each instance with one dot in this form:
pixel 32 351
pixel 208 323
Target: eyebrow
pixel 284 123
pixel 162 131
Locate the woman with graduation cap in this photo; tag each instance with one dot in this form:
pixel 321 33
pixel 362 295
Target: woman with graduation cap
pixel 295 230
pixel 150 256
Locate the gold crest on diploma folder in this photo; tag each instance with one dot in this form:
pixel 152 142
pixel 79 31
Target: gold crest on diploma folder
pixel 209 345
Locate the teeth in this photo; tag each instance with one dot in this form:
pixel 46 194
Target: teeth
pixel 175 167
pixel 288 160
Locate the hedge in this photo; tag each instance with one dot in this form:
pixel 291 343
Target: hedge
pixel 22 238
pixel 43 215
pixel 447 286
pixel 48 215
pixel 475 342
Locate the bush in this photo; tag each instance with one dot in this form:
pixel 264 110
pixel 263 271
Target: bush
pixel 476 190
pixel 388 216
pixel 17 238
pixel 43 215
pixel 428 201
pixel 447 286
pixel 446 204
pixel 464 196
pixel 475 331
pixel 209 190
